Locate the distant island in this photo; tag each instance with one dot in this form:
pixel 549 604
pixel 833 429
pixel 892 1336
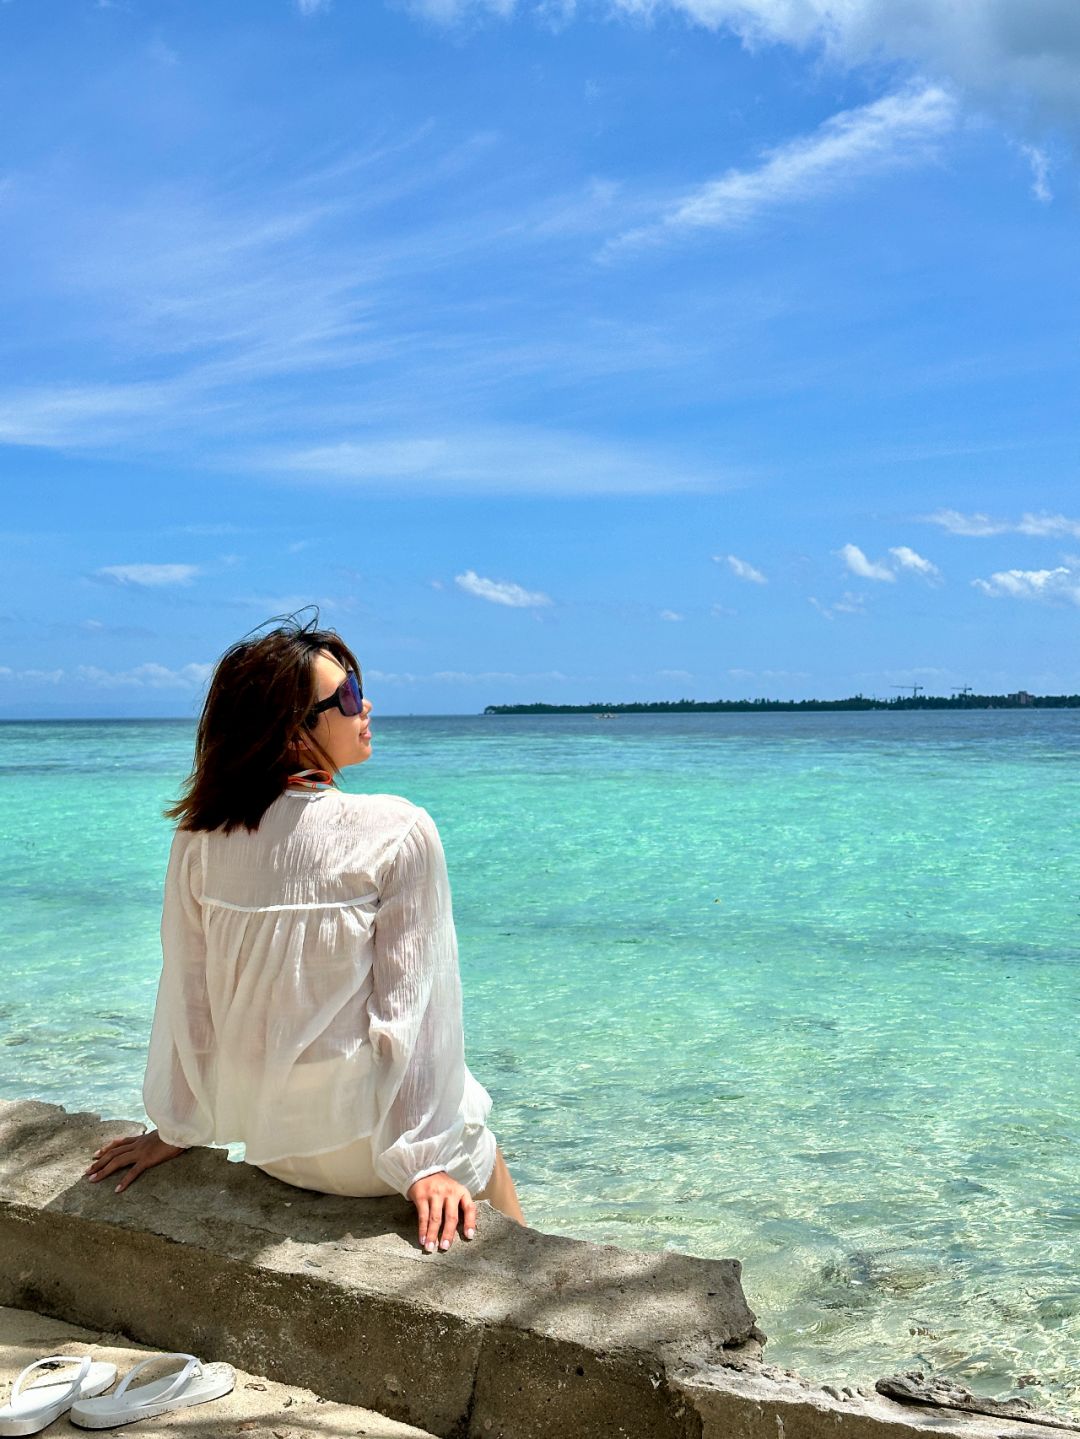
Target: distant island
pixel 965 700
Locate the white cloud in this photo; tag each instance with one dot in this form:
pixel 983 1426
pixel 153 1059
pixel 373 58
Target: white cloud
pixel 848 604
pixel 148 576
pixel 1059 584
pixel 496 459
pixel 909 560
pixel 312 7
pixel 449 12
pixel 35 676
pixel 675 674
pixel 866 569
pixel 1039 161
pixel 405 677
pixel 500 592
pixel 896 130
pixel 68 414
pixel 1020 57
pixel 742 569
pixel 145 676
pixel 670 615
pixel 1040 526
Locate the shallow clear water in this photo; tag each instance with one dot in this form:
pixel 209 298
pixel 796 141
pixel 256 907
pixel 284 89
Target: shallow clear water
pixel 800 989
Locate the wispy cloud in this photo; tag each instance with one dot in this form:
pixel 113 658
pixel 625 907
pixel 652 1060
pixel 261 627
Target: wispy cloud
pixel 1023 61
pixel 848 604
pixel 908 559
pixel 147 576
pixel 670 615
pixel 866 569
pixel 1059 585
pixel 32 676
pixel 464 677
pixel 500 592
pixel 1040 526
pixel 149 676
pixel 1039 161
pixel 312 7
pixel 741 569
pixel 495 459
pixel 899 129
pixel 146 676
pixel 98 629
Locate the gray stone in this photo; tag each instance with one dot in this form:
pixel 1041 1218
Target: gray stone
pixel 516 1335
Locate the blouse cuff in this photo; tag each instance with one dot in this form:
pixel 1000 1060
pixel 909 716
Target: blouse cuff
pixel 471 1166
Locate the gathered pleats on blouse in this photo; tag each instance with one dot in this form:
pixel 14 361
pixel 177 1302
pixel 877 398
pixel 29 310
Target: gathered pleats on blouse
pixel 310 993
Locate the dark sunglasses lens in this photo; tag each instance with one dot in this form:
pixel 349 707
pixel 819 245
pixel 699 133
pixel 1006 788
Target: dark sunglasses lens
pixel 352 698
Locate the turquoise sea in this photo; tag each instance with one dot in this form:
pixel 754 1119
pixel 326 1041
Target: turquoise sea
pixel 799 989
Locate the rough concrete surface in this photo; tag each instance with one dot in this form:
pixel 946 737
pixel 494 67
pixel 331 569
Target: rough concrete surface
pixel 256 1406
pixel 516 1335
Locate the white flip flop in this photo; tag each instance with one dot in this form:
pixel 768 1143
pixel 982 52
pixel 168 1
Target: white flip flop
pixel 195 1383
pixel 35 1408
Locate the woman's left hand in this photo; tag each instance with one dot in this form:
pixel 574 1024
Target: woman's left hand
pixel 140 1151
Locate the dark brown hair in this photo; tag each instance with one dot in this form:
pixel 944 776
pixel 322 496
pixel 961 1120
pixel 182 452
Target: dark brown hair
pixel 261 692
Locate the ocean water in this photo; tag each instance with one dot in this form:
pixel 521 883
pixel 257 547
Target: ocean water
pixel 798 989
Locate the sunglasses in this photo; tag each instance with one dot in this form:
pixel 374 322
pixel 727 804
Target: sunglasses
pixel 348 698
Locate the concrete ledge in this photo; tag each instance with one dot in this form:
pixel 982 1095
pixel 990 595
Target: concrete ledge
pixel 517 1335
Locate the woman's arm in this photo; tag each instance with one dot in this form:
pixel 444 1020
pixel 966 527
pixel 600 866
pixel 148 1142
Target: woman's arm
pixel 415 1021
pixel 182 1034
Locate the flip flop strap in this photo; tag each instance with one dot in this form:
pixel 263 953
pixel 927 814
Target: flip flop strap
pixel 82 1360
pixel 181 1379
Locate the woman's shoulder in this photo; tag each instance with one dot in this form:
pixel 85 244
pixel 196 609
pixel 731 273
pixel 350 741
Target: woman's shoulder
pixel 386 826
pixel 388 815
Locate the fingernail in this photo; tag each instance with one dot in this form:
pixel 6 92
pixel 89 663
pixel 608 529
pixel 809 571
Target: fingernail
pixel 429 1245
pixel 444 1244
pixel 94 1178
pixel 469 1233
pixel 117 1189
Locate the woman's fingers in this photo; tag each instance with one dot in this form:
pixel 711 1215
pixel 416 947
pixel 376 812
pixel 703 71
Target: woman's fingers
pixel 434 1221
pixel 441 1205
pixel 110 1151
pixel 422 1208
pixel 449 1224
pixel 130 1177
pixel 112 1143
pixel 468 1216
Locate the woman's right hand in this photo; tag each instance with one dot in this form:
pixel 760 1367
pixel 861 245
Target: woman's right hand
pixel 440 1201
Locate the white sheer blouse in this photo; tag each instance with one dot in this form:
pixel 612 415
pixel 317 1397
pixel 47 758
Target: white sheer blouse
pixel 310 992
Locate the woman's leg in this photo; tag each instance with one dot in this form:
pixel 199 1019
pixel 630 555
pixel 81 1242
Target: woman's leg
pixel 500 1192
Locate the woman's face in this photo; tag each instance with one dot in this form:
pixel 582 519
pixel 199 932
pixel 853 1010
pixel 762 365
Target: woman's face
pixel 345 738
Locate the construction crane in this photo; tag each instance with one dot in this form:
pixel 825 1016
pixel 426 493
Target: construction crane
pixel 963 691
pixel 915 689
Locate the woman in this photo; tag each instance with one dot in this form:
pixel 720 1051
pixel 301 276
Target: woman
pixel 310 999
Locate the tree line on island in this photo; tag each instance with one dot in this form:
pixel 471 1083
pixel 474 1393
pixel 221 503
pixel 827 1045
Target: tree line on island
pixel 968 701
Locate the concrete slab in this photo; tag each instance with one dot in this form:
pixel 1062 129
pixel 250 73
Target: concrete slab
pixel 256 1406
pixel 518 1335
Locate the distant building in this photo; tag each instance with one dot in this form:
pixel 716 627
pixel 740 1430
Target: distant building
pixel 1021 697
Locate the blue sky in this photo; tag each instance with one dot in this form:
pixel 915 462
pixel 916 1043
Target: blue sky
pixel 595 351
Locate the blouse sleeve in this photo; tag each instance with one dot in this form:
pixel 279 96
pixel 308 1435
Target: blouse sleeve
pixel 415 1018
pixel 175 1094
